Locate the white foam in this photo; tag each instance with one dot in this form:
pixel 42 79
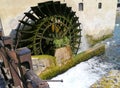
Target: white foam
pixel 83 75
pixel 117 24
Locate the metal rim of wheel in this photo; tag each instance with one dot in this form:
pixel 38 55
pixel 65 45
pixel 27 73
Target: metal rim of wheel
pixel 46 22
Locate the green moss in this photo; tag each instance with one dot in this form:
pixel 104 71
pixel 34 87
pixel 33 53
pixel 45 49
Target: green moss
pixel 54 71
pixel 118 14
pixel 49 73
pixel 43 56
pixel 61 42
pixel 96 51
pixel 51 58
pixel 110 80
pixel 93 41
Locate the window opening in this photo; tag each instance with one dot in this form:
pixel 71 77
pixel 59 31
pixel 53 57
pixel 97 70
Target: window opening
pixel 99 5
pixel 80 6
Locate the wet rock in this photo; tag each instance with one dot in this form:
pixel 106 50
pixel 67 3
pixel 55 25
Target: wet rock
pixel 42 62
pixel 110 80
pixel 62 55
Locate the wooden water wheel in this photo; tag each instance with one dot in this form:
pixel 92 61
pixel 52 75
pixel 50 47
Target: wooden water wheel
pixel 46 22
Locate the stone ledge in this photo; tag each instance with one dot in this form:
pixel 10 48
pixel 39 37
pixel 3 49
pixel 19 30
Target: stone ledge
pixel 110 80
pixel 83 56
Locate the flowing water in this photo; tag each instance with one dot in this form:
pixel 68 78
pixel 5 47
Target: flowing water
pixel 86 73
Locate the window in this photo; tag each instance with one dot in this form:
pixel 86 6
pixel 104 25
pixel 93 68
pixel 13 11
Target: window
pixel 80 6
pixel 99 5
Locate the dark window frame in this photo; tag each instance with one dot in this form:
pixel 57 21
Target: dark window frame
pixel 99 5
pixel 80 6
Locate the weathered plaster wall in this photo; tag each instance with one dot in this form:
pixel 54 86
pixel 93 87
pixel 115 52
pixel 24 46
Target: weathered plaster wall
pixel 12 10
pixel 97 22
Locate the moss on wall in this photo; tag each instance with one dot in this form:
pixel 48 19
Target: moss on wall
pixel 48 57
pixel 56 70
pixel 118 14
pixel 93 41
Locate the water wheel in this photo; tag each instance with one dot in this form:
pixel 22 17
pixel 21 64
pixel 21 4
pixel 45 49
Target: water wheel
pixel 44 23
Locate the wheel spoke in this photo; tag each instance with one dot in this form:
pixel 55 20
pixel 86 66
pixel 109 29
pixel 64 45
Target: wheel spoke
pixel 50 20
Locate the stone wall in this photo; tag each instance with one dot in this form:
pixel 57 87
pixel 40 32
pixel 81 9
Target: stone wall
pixel 42 62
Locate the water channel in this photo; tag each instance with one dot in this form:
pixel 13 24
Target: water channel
pixel 86 73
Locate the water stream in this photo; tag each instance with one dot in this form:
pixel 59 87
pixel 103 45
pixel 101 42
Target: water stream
pixel 86 73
